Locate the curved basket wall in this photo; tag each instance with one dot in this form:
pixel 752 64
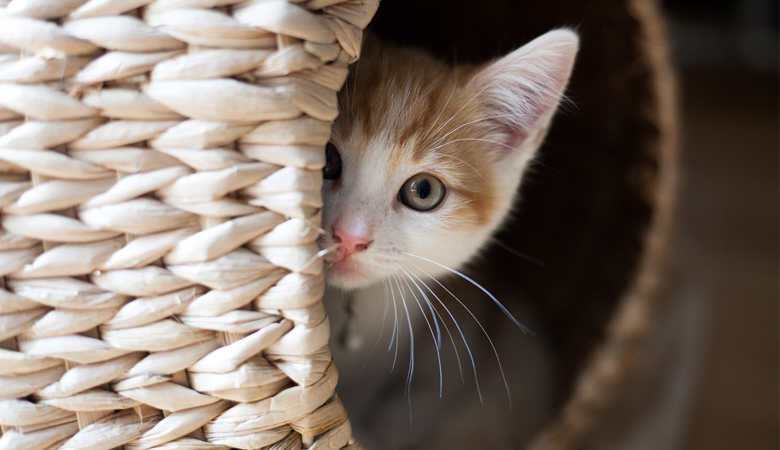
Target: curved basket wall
pixel 597 211
pixel 160 187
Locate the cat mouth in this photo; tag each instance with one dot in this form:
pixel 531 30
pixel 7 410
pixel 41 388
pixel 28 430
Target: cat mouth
pixel 351 273
pixel 347 269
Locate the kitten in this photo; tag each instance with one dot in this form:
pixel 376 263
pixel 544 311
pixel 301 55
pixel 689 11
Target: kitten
pixel 425 159
pixel 423 166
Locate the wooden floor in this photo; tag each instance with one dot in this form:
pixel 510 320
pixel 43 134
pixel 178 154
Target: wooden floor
pixel 728 231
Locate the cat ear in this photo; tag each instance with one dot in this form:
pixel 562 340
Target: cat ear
pixel 521 91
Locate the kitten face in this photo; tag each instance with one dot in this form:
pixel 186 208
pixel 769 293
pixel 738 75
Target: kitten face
pixel 431 156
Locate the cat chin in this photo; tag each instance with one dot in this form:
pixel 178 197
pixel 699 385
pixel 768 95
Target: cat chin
pixel 349 284
pixel 346 278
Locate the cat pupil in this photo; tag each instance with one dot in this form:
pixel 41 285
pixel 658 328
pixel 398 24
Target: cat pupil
pixel 332 169
pixel 423 189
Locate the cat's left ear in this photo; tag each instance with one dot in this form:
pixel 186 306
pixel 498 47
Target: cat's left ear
pixel 521 91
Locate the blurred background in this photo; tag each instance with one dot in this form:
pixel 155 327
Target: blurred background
pixel 726 52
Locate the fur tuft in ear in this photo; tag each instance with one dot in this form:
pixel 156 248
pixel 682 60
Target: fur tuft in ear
pixel 522 90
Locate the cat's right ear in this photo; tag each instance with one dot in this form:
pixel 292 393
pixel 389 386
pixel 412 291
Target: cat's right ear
pixel 521 91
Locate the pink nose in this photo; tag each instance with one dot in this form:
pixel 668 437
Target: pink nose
pixel 353 242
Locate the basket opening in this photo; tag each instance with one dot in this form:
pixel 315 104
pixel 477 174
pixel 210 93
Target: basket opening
pixel 588 200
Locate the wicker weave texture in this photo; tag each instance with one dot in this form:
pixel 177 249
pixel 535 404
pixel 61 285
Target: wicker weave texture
pixel 160 192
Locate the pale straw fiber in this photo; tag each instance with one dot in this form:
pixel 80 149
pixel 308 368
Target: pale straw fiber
pixel 159 184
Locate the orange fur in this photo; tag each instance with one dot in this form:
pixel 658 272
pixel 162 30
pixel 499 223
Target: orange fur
pixel 426 92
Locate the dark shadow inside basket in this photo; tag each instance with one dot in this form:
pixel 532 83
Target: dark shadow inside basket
pixel 588 200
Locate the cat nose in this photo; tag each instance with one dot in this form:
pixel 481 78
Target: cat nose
pixel 353 241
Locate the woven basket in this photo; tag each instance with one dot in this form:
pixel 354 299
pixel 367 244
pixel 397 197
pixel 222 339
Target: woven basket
pixel 160 188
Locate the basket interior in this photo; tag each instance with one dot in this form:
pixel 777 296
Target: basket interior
pixel 588 199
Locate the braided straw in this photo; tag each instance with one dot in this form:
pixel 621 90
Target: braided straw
pixel 160 191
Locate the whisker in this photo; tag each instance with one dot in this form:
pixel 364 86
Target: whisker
pixel 437 338
pixel 384 281
pixel 395 328
pixel 537 161
pixel 384 319
pixel 430 307
pixel 313 226
pixel 408 393
pixel 426 135
pixel 467 103
pixel 495 300
pixel 469 123
pixel 464 162
pixel 495 352
pixel 475 139
pixel 454 347
pixel 462 336
pixel 319 255
pixel 436 344
pixel 518 253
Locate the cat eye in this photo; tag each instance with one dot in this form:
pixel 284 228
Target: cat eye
pixel 332 170
pixel 422 192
